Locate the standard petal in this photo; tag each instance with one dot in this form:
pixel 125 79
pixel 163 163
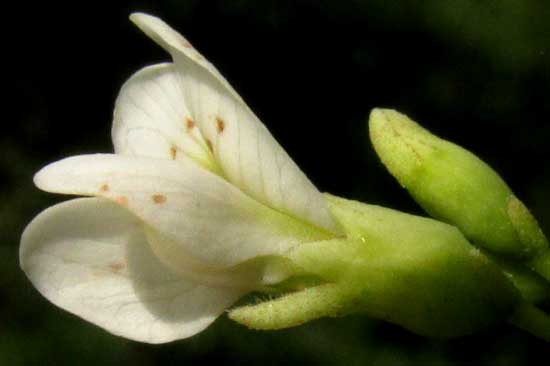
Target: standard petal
pixel 90 257
pixel 151 119
pixel 247 153
pixel 207 217
pixel 175 44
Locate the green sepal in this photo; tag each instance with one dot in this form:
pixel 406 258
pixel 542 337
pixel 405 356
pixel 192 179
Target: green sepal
pixel 295 308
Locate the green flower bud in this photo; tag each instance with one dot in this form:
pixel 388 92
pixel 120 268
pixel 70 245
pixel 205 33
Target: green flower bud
pixel 413 271
pixel 455 186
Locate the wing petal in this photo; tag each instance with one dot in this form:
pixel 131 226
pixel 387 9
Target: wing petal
pixel 207 217
pixel 91 258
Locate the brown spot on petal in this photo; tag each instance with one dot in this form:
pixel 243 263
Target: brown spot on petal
pixel 159 198
pixel 173 152
pixel 121 200
pixel 104 188
pixel 220 124
pixel 189 123
pixel 116 267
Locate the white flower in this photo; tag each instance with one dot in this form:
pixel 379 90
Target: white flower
pixel 188 212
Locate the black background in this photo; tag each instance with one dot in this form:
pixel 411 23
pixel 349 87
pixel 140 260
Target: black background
pixel 474 72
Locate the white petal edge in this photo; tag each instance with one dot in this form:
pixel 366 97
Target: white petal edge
pixel 174 43
pixel 247 153
pixel 90 257
pixel 151 119
pixel 206 217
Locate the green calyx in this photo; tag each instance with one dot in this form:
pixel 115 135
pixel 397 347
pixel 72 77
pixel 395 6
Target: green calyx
pixel 409 270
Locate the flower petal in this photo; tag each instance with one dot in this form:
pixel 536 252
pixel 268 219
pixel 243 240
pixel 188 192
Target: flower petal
pixel 90 257
pixel 247 153
pixel 151 119
pixel 211 220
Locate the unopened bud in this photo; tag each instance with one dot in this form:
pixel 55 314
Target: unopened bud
pixel 455 186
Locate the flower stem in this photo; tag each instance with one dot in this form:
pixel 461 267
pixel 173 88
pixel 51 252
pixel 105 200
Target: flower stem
pixel 541 264
pixel 533 320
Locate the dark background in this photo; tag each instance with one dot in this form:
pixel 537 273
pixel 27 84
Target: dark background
pixel 475 72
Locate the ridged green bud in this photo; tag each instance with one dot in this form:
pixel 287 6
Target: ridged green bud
pixel 416 272
pixel 455 186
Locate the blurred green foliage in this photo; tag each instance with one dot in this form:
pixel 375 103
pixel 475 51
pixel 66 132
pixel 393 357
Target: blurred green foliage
pixel 474 71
